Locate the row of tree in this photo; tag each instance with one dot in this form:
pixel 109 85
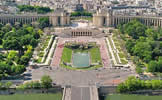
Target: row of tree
pixel 45 82
pixel 81 13
pixel 6 85
pixel 38 9
pixel 144 43
pixel 134 84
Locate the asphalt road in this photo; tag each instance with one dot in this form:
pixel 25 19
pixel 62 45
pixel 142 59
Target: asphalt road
pixel 80 93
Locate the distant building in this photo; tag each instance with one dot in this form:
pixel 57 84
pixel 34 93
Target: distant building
pixel 79 6
pixel 23 2
pixel 141 2
pixel 158 6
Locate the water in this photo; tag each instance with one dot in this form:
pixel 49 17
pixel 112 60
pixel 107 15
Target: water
pixel 81 60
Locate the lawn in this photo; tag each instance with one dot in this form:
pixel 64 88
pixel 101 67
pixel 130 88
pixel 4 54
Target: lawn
pixel 66 55
pixel 1 46
pixel 57 96
pixel 121 55
pixel 95 55
pixel 132 97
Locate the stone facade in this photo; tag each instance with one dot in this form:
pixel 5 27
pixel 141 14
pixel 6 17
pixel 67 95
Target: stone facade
pixel 107 19
pixel 59 18
pixel 22 18
pixel 55 19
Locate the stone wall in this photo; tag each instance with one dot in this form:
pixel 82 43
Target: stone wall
pixel 104 90
pixel 55 89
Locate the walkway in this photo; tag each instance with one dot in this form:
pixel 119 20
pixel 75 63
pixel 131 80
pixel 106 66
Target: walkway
pixel 104 53
pixel 58 53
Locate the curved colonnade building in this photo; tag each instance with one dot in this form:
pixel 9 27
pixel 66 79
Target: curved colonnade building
pixel 101 19
pixel 62 18
pixel 55 19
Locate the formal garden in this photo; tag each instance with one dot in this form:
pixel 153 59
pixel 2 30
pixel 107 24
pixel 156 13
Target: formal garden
pixel 81 56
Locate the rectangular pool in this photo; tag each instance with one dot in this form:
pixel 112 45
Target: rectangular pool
pixel 81 60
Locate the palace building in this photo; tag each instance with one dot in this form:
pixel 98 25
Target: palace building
pixel 108 19
pixel 57 18
pixel 61 18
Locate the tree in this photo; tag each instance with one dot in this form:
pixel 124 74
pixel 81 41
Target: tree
pixel 43 22
pixel 17 25
pixel 36 85
pixel 12 55
pixel 121 88
pixel 143 49
pixel 135 29
pixel 38 9
pixel 8 85
pixel 129 45
pixel 12 44
pixel 24 60
pixel 152 67
pixel 139 70
pixel 155 84
pixel 46 82
pixel 19 69
pixel 159 65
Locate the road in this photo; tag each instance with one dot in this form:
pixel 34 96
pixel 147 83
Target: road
pixel 80 93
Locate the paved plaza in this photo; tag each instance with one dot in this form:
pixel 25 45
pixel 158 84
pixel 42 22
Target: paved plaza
pixel 104 76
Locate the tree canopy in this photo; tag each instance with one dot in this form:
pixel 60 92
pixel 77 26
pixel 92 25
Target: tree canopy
pixel 81 13
pixel 143 42
pixel 38 9
pixel 19 42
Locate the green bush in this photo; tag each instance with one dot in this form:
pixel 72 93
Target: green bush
pixel 134 84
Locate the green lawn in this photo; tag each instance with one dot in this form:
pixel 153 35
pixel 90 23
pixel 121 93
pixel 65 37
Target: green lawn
pixel 57 96
pixel 121 55
pixel 1 46
pixel 123 61
pixel 132 97
pixel 66 55
pixel 95 55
